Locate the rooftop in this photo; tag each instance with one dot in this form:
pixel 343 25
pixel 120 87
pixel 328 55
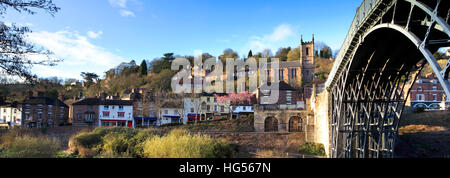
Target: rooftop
pixel 97 101
pixel 44 100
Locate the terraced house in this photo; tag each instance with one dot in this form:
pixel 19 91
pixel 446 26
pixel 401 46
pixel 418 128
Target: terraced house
pixel 116 113
pixel 10 114
pixel 211 108
pixel 41 111
pixel 144 109
pixel 85 112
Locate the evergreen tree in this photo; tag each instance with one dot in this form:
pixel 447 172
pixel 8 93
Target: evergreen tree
pixel 250 54
pixel 143 68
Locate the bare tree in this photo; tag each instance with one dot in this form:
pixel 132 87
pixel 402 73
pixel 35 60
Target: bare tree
pixel 15 50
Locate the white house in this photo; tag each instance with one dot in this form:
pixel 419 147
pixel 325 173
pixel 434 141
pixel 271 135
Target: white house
pixel 192 109
pixel 114 113
pixel 10 114
pixel 170 116
pixel 239 110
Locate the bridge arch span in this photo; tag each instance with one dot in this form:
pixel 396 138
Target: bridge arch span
pixel 387 46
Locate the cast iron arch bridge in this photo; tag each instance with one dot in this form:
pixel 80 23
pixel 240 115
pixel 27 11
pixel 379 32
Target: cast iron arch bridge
pixel 387 45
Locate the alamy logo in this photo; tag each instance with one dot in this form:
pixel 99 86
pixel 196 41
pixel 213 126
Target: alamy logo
pixel 239 76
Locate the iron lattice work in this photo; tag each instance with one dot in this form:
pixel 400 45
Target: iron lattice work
pixel 388 45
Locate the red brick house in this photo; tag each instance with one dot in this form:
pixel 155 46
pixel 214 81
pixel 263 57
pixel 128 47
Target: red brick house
pixel 85 112
pixel 427 93
pixel 42 112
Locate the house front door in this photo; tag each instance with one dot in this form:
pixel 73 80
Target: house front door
pixel 130 124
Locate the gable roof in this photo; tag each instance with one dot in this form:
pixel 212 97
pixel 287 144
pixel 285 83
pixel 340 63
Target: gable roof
pixel 44 100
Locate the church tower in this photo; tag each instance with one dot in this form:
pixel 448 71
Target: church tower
pixel 307 60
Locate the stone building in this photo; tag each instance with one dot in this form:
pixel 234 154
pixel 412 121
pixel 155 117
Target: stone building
pixel 300 72
pixel 307 60
pixel 286 115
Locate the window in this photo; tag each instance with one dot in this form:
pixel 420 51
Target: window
pixel 105 107
pixel 49 117
pixel 288 97
pixel 4 110
pixel 419 81
pixel 28 116
pixel 420 97
pixel 208 99
pixel 307 51
pixel 293 73
pixel 140 104
pixel 166 111
pixel 105 114
pixel 39 116
pixel 434 88
pixel 121 114
pixel 281 73
pixel 208 108
pixel 50 107
pixel 27 106
pixel 215 100
pixel 434 97
pixel 79 117
pixel 222 109
pixel 120 108
pixel 419 89
pixel 192 110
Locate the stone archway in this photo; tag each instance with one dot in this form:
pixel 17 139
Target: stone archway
pixel 271 124
pixel 295 124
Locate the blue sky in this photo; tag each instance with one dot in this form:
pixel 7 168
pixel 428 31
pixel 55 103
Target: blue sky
pixel 96 35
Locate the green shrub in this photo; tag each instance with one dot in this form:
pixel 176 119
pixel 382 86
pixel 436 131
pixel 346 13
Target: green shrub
pixel 180 144
pixel 115 142
pixel 315 149
pixel 32 147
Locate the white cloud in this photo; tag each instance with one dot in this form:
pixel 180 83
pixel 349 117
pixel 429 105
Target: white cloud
pixel 78 53
pixel 118 3
pixel 273 40
pixel 94 35
pixel 126 13
pixel 280 33
pixel 127 7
